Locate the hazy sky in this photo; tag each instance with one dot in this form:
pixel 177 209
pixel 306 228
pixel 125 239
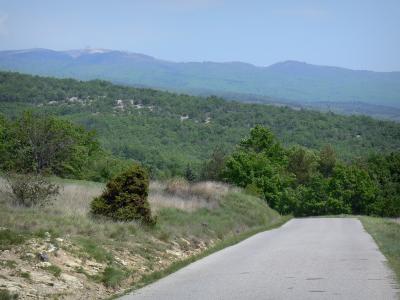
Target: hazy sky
pixel 359 34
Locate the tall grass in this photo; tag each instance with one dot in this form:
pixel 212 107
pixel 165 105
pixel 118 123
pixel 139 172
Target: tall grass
pixel 178 193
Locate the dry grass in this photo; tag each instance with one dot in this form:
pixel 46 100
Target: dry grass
pixel 75 196
pixel 178 193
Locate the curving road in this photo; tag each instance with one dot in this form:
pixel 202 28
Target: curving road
pixel 313 258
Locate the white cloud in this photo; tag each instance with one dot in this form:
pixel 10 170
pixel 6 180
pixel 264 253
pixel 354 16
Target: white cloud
pixel 3 25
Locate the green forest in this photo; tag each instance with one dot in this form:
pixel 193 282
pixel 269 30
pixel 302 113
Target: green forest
pixel 303 182
pixel 170 133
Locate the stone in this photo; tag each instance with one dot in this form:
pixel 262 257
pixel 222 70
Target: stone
pixel 52 248
pixel 44 264
pixel 43 256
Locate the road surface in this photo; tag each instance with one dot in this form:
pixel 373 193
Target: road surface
pixel 313 258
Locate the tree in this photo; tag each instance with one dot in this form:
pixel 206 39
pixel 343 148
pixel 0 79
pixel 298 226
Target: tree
pixel 262 140
pixel 258 164
pixel 315 199
pixel 189 174
pixel 213 168
pixel 327 160
pixel 301 163
pixel 385 170
pixel 354 187
pixel 45 144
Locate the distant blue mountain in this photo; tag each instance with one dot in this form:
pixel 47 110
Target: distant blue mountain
pixel 290 80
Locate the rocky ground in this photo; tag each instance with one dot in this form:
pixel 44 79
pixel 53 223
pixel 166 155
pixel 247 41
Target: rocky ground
pixel 47 268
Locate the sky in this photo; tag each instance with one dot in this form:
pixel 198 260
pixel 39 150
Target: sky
pixel 358 34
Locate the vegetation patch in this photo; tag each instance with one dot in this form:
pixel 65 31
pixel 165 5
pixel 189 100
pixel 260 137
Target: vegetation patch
pixel 54 270
pixel 9 238
pixel 25 275
pixel 6 295
pixel 91 248
pixel 11 264
pixel 112 276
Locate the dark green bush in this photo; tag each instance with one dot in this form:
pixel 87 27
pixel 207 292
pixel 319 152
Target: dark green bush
pixel 125 197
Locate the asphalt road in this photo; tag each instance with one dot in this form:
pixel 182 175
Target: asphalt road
pixel 313 258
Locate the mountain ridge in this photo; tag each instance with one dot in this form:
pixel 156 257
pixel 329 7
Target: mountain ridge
pixel 290 80
pixel 139 54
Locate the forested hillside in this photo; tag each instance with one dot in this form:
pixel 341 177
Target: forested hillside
pixel 168 131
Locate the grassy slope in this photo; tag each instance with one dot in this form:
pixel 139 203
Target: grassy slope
pixel 126 254
pixel 386 234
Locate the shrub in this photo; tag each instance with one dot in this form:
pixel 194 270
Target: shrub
pixel 31 189
pixel 112 276
pixel 125 197
pixel 9 238
pixel 189 174
pixel 6 295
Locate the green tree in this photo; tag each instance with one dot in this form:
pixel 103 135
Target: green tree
pixel 327 160
pixel 385 170
pixel 45 144
pixel 301 163
pixel 258 164
pixel 315 199
pixel 189 174
pixel 212 169
pixel 354 187
pixel 262 140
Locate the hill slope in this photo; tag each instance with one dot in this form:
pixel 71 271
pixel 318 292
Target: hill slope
pixel 167 131
pixel 290 80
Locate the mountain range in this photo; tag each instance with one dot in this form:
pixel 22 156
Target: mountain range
pixel 290 82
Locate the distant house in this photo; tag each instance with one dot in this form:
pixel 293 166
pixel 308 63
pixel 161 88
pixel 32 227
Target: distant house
pixel 183 118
